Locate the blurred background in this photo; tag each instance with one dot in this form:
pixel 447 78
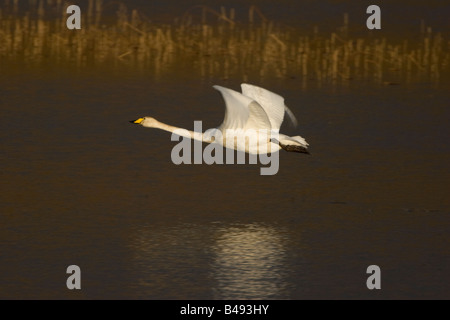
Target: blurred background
pixel 81 185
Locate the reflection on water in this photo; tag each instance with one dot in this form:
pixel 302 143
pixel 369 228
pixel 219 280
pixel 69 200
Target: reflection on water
pixel 239 262
pixel 249 262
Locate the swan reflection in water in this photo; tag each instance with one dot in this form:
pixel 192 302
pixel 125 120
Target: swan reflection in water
pixel 250 263
pixel 191 261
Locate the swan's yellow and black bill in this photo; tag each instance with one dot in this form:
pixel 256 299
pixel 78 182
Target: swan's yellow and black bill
pixel 138 121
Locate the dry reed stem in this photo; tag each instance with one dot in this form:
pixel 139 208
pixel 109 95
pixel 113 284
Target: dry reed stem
pixel 223 48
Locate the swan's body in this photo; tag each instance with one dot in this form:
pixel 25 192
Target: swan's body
pixel 256 114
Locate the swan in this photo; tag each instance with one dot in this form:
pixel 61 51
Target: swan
pixel 251 113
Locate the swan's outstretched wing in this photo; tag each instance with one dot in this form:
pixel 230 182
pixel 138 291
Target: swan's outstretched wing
pixel 272 103
pixel 242 112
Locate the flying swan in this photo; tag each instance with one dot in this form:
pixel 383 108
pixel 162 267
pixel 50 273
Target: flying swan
pixel 256 113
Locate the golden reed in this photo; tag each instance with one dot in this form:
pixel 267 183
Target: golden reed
pixel 210 42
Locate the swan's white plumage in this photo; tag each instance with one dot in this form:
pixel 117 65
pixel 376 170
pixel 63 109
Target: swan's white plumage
pixel 256 109
pixel 272 103
pixel 242 112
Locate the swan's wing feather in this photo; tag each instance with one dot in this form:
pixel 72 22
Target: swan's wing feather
pixel 242 112
pixel 236 111
pixel 272 103
pixel 258 117
pixel 291 116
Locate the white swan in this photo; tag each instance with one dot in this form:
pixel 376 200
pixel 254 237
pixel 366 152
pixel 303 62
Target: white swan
pixel 250 113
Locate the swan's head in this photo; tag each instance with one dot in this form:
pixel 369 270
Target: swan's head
pixel 146 122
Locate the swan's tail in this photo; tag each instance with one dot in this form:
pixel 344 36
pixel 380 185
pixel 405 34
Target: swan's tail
pixel 293 144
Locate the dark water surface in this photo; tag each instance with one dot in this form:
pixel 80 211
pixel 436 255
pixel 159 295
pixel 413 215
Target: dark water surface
pixel 81 185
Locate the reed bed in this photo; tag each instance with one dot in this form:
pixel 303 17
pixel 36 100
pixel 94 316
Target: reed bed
pixel 211 43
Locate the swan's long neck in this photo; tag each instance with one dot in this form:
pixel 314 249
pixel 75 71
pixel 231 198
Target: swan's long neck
pixel 180 131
